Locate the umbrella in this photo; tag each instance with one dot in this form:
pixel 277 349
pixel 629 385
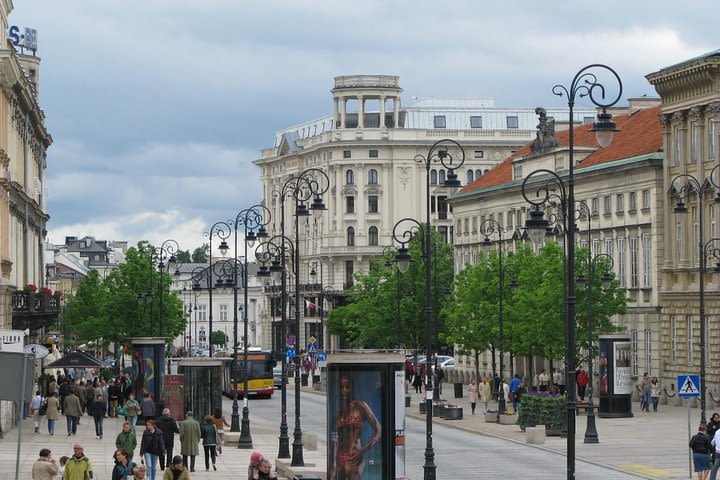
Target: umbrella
pixel 76 360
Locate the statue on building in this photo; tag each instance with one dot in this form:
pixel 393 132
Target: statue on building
pixel 545 132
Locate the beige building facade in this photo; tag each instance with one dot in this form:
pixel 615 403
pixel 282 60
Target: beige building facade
pixel 367 148
pixel 24 141
pixel 690 117
pixel 622 189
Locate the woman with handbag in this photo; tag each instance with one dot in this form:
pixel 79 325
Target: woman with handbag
pixel 53 411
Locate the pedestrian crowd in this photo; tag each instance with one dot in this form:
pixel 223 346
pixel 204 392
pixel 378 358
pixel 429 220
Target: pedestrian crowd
pixel 78 396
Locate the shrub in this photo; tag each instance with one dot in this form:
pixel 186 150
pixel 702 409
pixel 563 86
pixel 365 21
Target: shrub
pixel 541 408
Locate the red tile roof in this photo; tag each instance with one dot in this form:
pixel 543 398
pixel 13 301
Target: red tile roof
pixel 640 133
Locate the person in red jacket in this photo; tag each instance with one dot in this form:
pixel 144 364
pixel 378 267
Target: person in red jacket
pixel 582 380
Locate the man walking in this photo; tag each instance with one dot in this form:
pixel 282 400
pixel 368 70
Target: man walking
pixel 582 381
pixel 73 411
pixel 45 467
pixel 189 439
pixel 78 467
pixel 35 405
pixel 169 427
pixel 645 386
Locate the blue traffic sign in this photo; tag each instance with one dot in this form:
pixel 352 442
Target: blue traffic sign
pixel 322 356
pixel 688 386
pixel 291 353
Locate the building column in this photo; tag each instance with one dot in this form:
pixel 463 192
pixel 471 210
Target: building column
pixel 396 111
pixel 361 111
pixel 336 119
pixel 342 111
pixel 382 111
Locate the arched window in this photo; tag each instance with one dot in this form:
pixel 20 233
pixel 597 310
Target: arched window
pixel 349 177
pixel 373 236
pixel 469 177
pixel 486 170
pixel 351 237
pixel 372 177
pixel 433 177
pixel 478 173
pixel 441 177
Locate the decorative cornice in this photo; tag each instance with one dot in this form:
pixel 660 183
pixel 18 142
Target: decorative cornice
pixel 696 112
pixel 4 159
pixel 665 119
pixel 713 107
pixel 679 116
pixel 6 267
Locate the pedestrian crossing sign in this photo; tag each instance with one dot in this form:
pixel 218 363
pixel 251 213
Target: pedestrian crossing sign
pixel 688 386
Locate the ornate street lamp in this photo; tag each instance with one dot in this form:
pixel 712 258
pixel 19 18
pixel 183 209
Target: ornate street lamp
pixel 250 219
pixel 166 251
pixel 438 153
pixel 584 84
pixel 326 291
pixel 270 255
pixel 222 231
pixel 487 228
pixel 688 185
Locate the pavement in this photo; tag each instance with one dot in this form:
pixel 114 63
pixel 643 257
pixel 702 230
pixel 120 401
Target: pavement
pixel 649 445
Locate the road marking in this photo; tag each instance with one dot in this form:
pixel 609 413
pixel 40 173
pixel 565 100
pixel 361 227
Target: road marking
pixel 647 470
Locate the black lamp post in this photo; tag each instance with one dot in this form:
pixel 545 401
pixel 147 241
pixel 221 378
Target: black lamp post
pixel 438 153
pixel 325 291
pixel 389 253
pixel 271 260
pixel 585 83
pixel 309 184
pixel 166 251
pixel 487 228
pixel 605 263
pixel 222 231
pixel 255 217
pixel 689 185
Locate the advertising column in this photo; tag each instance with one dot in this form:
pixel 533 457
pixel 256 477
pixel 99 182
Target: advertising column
pixel 147 367
pixel 365 416
pixel 615 371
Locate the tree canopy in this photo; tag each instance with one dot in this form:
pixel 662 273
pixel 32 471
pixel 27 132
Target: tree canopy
pixel 386 308
pixel 127 303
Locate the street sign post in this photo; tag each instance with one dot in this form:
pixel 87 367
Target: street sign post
pixel 689 387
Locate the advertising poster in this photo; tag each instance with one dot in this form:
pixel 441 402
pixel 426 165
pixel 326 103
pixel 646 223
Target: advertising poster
pixel 622 384
pixel 147 377
pixel 355 400
pixel 174 395
pixel 604 371
pixel 399 424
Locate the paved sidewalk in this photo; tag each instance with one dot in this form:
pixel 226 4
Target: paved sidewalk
pixel 651 445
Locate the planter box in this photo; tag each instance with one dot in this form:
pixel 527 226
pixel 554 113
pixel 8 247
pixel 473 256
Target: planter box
pixel 452 413
pixel 491 417
pixel 508 419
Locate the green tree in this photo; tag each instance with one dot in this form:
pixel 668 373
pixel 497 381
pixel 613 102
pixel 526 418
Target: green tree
pixel 200 254
pixel 85 314
pixel 373 320
pixel 534 315
pixel 218 337
pixel 183 256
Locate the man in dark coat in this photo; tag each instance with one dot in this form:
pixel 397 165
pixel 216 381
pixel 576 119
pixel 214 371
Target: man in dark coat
pixel 169 427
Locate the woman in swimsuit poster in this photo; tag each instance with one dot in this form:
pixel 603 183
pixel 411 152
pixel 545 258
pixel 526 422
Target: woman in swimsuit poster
pixel 351 437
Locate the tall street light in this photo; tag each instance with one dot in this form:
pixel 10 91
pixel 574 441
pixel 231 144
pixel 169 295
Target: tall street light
pixel 584 84
pixel 250 219
pixel 487 228
pixel 220 230
pixel 166 251
pixel 309 184
pixel 604 263
pixel 325 291
pixel 688 185
pixel 389 253
pixel 438 153
pixel 271 260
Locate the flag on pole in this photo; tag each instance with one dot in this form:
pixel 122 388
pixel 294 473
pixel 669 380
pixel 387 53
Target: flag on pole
pixel 310 304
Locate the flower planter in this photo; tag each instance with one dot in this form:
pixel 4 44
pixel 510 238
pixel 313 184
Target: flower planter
pixel 491 417
pixel 508 419
pixel 452 413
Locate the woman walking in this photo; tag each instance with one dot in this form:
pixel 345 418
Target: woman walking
pixel 701 449
pixel 209 439
pixel 126 440
pixel 220 423
pixel 655 389
pixel 473 394
pixel 53 411
pixel 132 409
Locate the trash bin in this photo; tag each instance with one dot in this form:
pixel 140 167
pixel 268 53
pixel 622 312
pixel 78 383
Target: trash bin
pixel 407 400
pixel 304 379
pixel 458 390
pixel 316 379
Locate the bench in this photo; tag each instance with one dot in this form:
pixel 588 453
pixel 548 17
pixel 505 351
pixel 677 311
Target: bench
pixel 581 406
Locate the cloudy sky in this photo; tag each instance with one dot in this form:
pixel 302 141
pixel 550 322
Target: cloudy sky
pixel 158 107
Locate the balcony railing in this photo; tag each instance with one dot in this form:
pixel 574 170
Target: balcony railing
pixel 34 310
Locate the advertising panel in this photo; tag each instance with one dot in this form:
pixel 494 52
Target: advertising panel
pixel 365 416
pixel 622 384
